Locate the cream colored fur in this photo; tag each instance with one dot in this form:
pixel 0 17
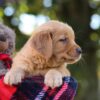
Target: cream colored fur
pixel 45 53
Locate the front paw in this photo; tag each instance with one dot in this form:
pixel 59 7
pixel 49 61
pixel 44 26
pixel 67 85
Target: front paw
pixel 53 78
pixel 13 77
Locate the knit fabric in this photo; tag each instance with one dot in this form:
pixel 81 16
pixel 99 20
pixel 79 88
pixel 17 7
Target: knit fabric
pixel 6 59
pixel 33 88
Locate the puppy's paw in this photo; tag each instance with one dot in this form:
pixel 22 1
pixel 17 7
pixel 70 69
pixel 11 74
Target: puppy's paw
pixel 53 78
pixel 13 77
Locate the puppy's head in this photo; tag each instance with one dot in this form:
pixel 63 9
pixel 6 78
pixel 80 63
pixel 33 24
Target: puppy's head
pixel 56 41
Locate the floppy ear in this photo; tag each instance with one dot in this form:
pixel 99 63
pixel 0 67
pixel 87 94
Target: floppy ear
pixel 42 42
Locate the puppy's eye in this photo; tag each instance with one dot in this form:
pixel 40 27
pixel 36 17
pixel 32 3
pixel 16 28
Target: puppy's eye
pixel 63 40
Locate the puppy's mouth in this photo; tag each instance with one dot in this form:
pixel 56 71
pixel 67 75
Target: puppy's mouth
pixel 71 60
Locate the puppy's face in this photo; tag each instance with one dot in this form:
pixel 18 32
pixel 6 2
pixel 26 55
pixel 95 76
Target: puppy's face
pixel 65 48
pixel 57 40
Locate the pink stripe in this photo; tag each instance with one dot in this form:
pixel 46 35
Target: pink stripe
pixel 45 88
pixel 53 90
pixel 64 87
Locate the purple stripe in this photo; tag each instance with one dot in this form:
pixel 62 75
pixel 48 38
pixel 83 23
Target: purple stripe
pixel 41 93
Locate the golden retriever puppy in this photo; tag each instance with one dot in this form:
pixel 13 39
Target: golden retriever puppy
pixel 51 47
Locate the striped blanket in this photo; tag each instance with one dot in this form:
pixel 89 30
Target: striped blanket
pixel 33 88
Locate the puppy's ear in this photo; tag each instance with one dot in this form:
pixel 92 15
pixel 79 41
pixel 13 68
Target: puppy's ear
pixel 42 42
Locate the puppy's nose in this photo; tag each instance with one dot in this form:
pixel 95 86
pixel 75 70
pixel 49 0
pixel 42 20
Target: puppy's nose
pixel 2 37
pixel 79 50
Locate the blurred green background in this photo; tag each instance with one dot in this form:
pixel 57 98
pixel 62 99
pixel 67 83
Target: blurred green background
pixel 24 16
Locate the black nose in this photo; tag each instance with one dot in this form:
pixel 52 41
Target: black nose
pixel 79 50
pixel 2 37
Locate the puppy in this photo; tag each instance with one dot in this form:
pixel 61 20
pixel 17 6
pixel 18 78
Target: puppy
pixel 51 47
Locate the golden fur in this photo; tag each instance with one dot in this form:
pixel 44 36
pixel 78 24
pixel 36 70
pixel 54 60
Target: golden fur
pixel 51 47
